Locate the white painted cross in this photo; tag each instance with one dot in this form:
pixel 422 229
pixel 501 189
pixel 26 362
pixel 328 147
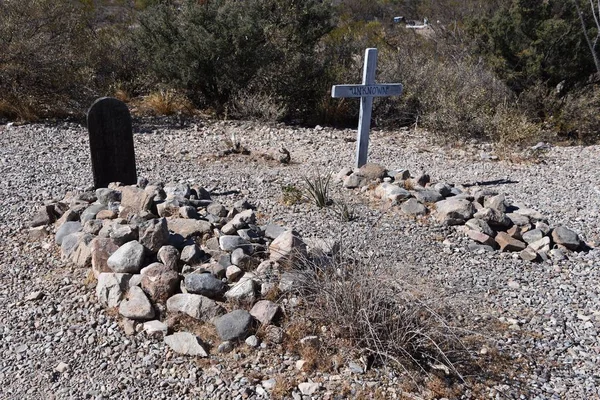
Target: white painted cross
pixel 366 92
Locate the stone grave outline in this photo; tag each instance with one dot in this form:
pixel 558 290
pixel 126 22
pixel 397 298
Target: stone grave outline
pixel 366 91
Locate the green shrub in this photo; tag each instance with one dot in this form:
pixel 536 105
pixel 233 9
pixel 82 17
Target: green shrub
pixel 579 120
pixel 226 49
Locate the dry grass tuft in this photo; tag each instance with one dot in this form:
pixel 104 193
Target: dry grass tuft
pixel 379 317
pixel 17 110
pixel 283 387
pixel 167 102
pixel 408 184
pixel 121 94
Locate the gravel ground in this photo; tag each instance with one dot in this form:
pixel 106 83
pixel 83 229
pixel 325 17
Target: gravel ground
pixel 543 317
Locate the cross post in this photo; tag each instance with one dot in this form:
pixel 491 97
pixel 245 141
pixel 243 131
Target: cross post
pixel 366 92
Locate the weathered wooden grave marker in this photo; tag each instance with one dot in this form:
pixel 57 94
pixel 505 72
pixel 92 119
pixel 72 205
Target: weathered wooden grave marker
pixel 366 92
pixel 111 142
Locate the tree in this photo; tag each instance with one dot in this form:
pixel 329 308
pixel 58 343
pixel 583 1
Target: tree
pixel 595 8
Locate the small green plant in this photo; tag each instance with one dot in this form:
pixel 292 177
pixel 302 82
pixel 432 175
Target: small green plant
pixel 344 212
pixel 291 195
pixel 317 189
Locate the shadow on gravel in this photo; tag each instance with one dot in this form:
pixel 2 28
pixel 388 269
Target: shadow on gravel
pixel 492 183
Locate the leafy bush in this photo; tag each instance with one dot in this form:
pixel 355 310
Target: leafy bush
pixel 223 49
pixel 579 120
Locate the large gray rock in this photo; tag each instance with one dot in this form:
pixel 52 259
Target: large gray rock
pixel 532 236
pixel 194 305
pixel 185 343
pixel 159 282
pixel 231 242
pixel 494 218
pixel 566 237
pixel 288 248
pixel 205 284
pixel 532 214
pixel 392 192
pixel 528 254
pixel 428 196
pixel 542 245
pixel 169 255
pixel 239 221
pixel 413 207
pixel 236 325
pixel 93 226
pixel 66 229
pixel 217 209
pixel 136 305
pixel 189 227
pixel 91 211
pixel 480 225
pixel 265 311
pixel 518 219
pixel 128 258
pixel 175 190
pixel 105 195
pixel 111 287
pixel 72 242
pixel 82 255
pixel 454 211
pixel 354 180
pixel 372 171
pixel 168 208
pixel 191 254
pixel 244 291
pixel 154 234
pixel 121 234
pixel 496 202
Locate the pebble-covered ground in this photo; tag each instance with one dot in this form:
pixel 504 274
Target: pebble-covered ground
pixel 543 318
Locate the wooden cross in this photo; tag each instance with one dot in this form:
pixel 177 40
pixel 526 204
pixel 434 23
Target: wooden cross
pixel 366 92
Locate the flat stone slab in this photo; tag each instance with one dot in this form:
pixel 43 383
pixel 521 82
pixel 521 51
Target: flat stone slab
pixel 185 343
pixel 189 227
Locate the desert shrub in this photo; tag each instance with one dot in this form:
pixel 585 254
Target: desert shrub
pixel 443 89
pixel 579 120
pixel 57 56
pixel 521 42
pixel 226 49
pixel 342 51
pixel 380 317
pixel 317 189
pixel 43 52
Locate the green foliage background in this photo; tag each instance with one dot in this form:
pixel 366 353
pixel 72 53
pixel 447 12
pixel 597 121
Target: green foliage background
pixel 513 71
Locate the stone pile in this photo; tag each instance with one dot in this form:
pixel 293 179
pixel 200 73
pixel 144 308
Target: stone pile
pixel 161 251
pixel 483 215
